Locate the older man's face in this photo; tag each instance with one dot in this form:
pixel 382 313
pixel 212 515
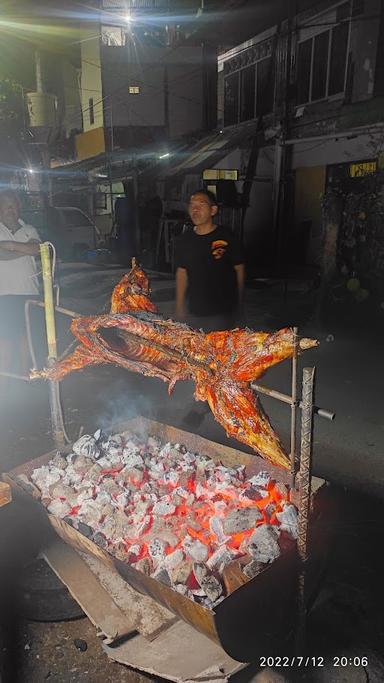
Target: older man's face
pixel 9 212
pixel 200 209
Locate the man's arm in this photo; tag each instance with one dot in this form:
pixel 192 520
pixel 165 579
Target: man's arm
pixel 12 250
pixel 240 277
pixel 181 290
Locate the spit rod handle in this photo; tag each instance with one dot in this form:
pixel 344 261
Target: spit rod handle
pixel 326 414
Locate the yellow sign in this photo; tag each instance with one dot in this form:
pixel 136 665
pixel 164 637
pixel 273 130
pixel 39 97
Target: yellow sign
pixel 220 174
pixel 362 169
pixel 90 144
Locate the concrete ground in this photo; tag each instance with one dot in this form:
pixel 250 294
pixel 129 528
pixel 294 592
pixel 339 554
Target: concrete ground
pixel 348 452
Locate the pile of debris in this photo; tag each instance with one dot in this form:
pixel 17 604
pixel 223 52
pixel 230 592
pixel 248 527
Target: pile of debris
pixel 174 515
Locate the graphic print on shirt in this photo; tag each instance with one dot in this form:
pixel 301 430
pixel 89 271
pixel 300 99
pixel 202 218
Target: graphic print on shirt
pixel 218 248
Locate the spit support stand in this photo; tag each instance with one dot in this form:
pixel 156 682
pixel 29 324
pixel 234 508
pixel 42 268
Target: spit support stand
pixel 306 452
pixel 294 406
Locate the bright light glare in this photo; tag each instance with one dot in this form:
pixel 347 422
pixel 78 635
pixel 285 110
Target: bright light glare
pixel 128 18
pixel 164 156
pixel 31 170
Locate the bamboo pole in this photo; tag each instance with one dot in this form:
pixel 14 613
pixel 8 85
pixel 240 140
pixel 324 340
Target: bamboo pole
pixel 49 310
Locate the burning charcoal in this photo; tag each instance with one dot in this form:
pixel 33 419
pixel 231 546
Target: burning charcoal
pixel 84 494
pixel 59 461
pixel 135 549
pixel 108 527
pixel 157 549
pixel 182 573
pixel 288 519
pixel 220 558
pixel 93 474
pixel 212 588
pixel 200 571
pixel 45 476
pixel 252 493
pixel 107 510
pixel 85 529
pixel 281 489
pixel 156 470
pixel 81 463
pixel 197 550
pixel 59 508
pixel 174 559
pixel 252 569
pixel 162 576
pixel 189 458
pixel 111 487
pixel 102 497
pixel 113 447
pixel 86 446
pixel 260 479
pixel 120 551
pixel 216 528
pixel 263 545
pixel 241 519
pixel 62 491
pixel 198 593
pixel 72 478
pixel 144 566
pixel 165 450
pixel 182 589
pixel 132 458
pixel 105 463
pixel 171 478
pixel 202 461
pixel 90 512
pixel 100 540
pixel 240 472
pixel 269 511
pixel 163 507
pixel 153 443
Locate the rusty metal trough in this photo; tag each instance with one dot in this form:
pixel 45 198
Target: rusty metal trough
pixel 259 614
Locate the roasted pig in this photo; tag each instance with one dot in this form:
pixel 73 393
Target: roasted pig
pixel 222 364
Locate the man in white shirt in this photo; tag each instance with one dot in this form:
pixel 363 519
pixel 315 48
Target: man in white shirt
pixel 19 244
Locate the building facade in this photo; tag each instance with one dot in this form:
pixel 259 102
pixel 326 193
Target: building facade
pixel 308 95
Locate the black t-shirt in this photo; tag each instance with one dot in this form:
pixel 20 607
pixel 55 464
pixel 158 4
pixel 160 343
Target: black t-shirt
pixel 209 261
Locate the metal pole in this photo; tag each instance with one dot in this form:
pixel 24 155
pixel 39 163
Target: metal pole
pixel 49 308
pixel 294 406
pixel 304 497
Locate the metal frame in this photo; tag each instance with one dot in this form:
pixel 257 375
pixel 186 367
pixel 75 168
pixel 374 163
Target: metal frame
pixel 301 465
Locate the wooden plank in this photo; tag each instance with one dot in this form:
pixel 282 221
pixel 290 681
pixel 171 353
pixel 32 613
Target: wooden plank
pixel 96 602
pixel 5 494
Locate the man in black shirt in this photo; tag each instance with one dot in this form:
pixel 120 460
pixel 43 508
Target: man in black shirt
pixel 209 269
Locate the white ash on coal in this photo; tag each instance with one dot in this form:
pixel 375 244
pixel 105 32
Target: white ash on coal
pixel 174 515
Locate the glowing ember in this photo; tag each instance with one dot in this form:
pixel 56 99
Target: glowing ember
pixel 174 515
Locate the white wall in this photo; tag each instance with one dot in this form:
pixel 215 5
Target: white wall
pixel 327 152
pixel 91 84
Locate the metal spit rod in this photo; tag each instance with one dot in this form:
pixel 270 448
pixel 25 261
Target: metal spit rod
pixel 321 412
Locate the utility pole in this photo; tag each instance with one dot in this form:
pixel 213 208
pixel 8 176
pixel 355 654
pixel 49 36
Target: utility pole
pixel 283 153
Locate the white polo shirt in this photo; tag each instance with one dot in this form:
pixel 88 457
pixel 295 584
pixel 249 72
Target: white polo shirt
pixel 19 275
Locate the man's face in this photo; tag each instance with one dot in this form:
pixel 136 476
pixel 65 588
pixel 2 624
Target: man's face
pixel 200 210
pixel 9 212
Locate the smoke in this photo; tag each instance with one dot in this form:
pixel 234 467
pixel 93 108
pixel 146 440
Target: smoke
pixel 125 399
